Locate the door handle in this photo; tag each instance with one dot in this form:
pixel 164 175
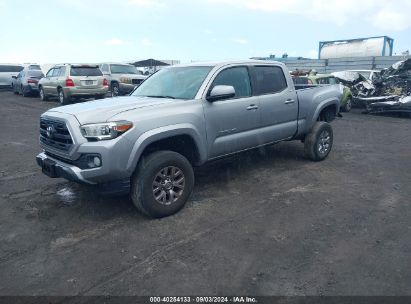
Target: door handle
pixel 252 107
pixel 288 101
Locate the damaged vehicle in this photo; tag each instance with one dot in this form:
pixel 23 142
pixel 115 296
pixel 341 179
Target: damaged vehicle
pixel 388 104
pixel 388 91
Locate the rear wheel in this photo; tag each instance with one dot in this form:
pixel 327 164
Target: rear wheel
pixel 115 89
pixel 43 96
pixel 62 97
pixel 23 92
pixel 318 143
pixel 14 89
pixel 162 184
pixel 348 105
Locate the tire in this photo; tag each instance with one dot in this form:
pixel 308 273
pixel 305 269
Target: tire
pixel 43 95
pixel 348 105
pixel 155 177
pixel 24 94
pixel 327 115
pixel 62 98
pixel 318 143
pixel 14 90
pixel 115 89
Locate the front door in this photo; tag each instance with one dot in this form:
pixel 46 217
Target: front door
pixel 232 123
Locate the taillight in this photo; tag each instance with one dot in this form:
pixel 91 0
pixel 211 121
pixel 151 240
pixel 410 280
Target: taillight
pixel 31 81
pixel 69 82
pixel 105 82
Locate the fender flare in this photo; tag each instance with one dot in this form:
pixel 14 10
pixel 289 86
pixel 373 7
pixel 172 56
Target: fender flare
pixel 165 132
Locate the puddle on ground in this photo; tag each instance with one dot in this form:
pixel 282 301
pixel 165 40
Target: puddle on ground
pixel 67 196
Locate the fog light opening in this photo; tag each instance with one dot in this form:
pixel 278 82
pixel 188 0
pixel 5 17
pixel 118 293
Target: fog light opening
pixel 97 161
pixel 93 161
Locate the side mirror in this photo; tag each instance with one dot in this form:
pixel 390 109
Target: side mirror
pixel 221 92
pixel 14 77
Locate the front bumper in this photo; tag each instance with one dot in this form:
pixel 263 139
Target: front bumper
pixel 54 168
pixel 125 88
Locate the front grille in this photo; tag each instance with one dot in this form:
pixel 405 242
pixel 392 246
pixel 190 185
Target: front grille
pixel 136 81
pixel 54 133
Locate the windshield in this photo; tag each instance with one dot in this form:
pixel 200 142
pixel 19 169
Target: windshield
pixel 176 82
pixel 123 69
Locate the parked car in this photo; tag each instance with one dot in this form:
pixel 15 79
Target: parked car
pixel 183 116
pixel 346 100
pixel 26 82
pixel 7 71
pixel 73 81
pixel 123 78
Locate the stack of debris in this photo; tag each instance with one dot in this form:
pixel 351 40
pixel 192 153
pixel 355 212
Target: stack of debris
pixel 388 92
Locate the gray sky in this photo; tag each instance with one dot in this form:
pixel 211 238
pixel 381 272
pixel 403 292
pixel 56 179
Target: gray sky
pixel 54 31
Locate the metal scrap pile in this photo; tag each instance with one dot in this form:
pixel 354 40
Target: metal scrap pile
pixel 388 92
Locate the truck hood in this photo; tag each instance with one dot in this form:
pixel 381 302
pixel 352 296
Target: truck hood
pixel 102 110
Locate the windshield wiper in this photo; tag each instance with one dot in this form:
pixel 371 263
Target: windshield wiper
pixel 161 96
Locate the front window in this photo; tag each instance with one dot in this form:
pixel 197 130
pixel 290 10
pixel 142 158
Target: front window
pixel 123 69
pixel 175 82
pixel 236 77
pixel 366 75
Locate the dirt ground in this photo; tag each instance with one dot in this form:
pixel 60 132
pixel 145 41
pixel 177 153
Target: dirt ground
pixel 265 222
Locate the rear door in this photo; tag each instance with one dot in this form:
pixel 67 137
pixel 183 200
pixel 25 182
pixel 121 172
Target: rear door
pixel 86 77
pixel 278 103
pixel 232 123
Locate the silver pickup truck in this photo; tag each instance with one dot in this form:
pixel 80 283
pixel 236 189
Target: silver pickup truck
pixel 180 117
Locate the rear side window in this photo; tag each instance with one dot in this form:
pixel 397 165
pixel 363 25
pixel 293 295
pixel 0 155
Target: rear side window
pixel 269 79
pixel 238 78
pixel 10 68
pixel 85 71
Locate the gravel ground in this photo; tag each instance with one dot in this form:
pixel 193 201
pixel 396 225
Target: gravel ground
pixel 266 222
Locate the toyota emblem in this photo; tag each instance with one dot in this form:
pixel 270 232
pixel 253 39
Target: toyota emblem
pixel 50 131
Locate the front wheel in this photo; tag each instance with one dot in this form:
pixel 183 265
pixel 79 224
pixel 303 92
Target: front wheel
pixel 318 143
pixel 162 184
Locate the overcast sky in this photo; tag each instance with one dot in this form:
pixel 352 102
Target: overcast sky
pixel 52 31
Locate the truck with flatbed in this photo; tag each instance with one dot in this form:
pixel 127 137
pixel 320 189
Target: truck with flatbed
pixel 183 116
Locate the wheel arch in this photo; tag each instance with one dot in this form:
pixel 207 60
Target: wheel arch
pixel 183 139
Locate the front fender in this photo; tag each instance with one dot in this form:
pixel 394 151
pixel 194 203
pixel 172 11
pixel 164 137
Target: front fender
pixel 164 132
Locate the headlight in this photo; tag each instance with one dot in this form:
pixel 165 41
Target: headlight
pixel 125 80
pixel 107 130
